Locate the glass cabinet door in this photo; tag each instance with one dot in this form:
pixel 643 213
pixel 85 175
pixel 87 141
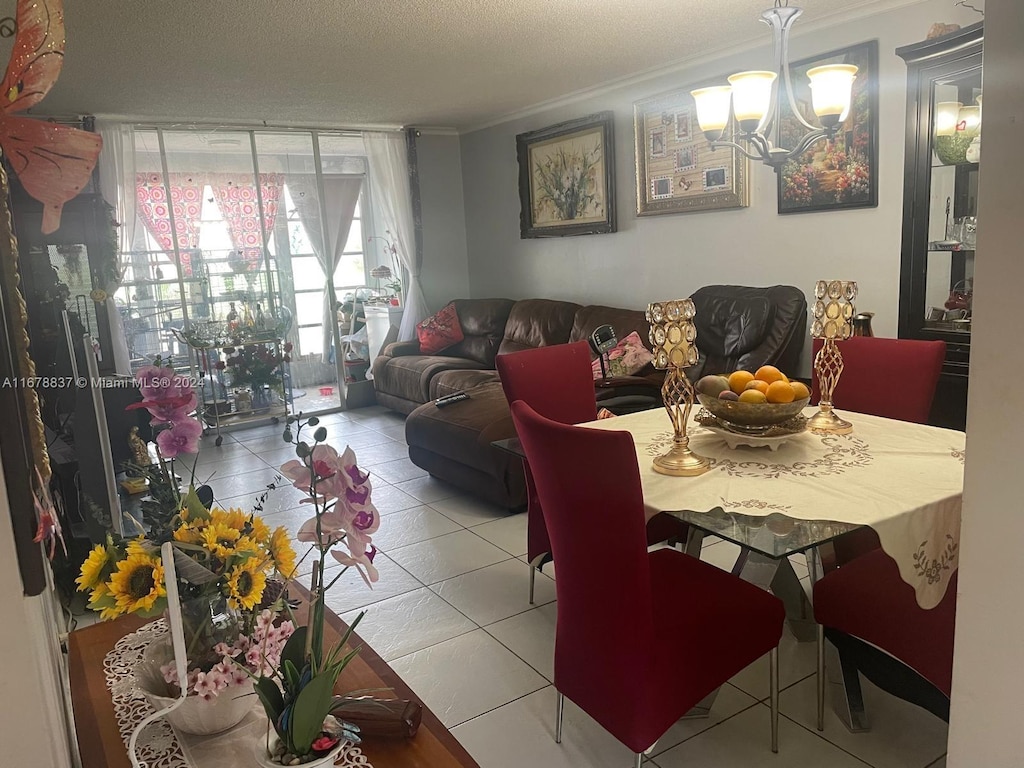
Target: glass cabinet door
pixel 955 136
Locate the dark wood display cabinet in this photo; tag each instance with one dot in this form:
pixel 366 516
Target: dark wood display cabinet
pixel 940 199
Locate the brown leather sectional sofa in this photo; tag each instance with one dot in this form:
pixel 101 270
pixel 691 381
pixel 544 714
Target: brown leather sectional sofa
pixel 744 328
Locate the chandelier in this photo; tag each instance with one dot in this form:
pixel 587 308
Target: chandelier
pixel 753 98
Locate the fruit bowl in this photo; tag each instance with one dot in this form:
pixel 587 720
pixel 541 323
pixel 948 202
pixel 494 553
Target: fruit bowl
pixel 751 418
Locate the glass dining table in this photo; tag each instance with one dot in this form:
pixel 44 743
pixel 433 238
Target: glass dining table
pixel 795 497
pixel 766 543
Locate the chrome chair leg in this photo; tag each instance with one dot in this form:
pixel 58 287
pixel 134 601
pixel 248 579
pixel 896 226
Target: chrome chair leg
pixel 773 667
pixel 639 759
pixel 558 717
pixel 533 579
pixel 821 677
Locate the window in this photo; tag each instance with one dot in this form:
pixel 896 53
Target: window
pixel 243 204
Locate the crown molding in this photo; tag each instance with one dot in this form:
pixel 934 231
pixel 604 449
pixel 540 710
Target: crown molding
pixel 245 125
pixel 436 130
pixel 864 9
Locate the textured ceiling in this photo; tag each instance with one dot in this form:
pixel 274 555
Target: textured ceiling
pixel 456 63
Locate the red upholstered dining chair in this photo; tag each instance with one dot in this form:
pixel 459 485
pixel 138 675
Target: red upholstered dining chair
pixel 894 378
pixel 867 599
pixel 637 645
pixel 863 596
pixel 557 381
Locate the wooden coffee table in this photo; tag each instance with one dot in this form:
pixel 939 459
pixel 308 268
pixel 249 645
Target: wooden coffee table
pixel 100 742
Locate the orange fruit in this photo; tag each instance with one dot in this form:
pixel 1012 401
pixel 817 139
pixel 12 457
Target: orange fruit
pixel 760 386
pixel 800 390
pixel 769 373
pixel 752 396
pixel 780 392
pixel 738 380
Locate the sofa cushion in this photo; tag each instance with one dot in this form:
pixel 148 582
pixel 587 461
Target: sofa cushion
pixel 731 326
pixel 439 331
pixel 450 382
pixel 625 358
pixel 483 325
pixel 409 377
pixel 624 321
pixel 536 323
pixel 746 327
pixel 463 431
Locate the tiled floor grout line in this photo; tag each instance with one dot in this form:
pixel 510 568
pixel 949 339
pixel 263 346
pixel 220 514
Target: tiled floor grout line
pixel 817 733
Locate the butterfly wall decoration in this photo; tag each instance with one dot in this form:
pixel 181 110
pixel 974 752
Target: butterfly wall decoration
pixel 53 162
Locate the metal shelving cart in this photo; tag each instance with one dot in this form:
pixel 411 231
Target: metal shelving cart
pixel 224 405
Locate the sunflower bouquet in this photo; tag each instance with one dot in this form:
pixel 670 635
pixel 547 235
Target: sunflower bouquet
pixel 225 560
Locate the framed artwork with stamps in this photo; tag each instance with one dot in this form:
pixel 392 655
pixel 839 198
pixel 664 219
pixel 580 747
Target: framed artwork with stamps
pixel 676 169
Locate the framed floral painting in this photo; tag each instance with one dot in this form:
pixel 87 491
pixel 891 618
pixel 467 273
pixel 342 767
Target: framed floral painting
pixel 842 173
pixel 676 169
pixel 566 178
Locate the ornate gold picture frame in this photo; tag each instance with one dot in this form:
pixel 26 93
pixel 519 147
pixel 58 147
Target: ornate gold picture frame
pixel 567 178
pixel 676 169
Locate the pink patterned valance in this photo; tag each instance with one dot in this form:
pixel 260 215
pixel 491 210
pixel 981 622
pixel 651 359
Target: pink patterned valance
pixel 236 197
pixel 186 204
pixel 239 204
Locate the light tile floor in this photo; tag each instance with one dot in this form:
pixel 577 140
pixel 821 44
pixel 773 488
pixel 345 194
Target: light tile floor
pixel 451 615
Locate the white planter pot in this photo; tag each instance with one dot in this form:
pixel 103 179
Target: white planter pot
pixel 195 716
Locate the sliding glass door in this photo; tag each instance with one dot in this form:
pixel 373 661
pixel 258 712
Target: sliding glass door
pixel 259 228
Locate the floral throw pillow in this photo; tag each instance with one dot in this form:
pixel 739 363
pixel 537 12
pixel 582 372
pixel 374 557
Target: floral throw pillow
pixel 439 331
pixel 625 358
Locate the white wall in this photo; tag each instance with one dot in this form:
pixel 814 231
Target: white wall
pixel 988 666
pixel 445 272
pixel 31 725
pixel 669 256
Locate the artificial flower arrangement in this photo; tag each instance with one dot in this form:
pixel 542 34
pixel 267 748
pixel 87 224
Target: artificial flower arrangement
pixel 255 365
pixel 394 272
pixel 223 558
pixel 298 694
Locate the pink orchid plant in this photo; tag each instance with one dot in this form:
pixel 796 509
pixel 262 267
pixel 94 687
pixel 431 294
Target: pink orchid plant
pixel 299 696
pixel 171 401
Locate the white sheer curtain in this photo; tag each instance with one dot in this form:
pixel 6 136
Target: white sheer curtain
pixel 392 202
pixel 117 185
pixel 341 193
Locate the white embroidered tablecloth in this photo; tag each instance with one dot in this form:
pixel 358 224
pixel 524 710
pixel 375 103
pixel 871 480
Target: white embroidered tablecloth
pixel 160 745
pixel 903 480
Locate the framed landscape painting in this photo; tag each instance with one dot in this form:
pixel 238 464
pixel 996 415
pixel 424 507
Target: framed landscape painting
pixel 676 169
pixel 842 173
pixel 566 178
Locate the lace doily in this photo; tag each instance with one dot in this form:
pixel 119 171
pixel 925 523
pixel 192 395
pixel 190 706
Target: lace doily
pixel 159 745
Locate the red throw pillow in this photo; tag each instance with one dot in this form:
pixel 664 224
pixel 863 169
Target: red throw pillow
pixel 439 331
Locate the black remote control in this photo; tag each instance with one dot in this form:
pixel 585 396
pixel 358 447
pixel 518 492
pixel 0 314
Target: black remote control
pixel 441 402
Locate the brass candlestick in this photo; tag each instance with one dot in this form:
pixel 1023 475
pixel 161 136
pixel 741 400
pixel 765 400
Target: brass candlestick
pixel 672 338
pixel 833 314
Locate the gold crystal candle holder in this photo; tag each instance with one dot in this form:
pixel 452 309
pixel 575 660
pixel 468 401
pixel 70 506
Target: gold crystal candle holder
pixel 832 321
pixel 673 336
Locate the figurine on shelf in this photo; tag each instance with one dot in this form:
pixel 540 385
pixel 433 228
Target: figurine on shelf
pixel 261 320
pixel 139 449
pixel 232 317
pixel 243 401
pixel 247 318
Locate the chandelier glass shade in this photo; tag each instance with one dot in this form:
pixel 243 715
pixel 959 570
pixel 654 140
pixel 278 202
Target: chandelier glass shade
pixel 753 99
